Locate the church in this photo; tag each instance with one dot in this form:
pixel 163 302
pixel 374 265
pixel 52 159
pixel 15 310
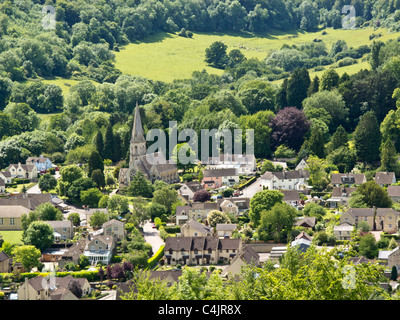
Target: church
pixel 154 166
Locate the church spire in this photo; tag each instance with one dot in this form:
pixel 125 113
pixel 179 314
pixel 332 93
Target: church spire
pixel 137 130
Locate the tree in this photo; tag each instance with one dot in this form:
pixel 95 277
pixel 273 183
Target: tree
pixel 75 219
pixel 363 226
pixel 28 256
pixel 201 196
pixel 263 201
pixel 83 261
pixel 91 197
pixel 26 116
pixel 98 178
pixel 388 157
pixel 47 182
pixel 297 87
pixel 118 203
pixel 344 158
pixel 74 190
pixel 166 197
pixel 289 127
pixel 183 151
pixel 47 212
pixel 317 143
pixel 157 210
pixel 367 138
pixel 39 234
pixel 140 186
pixel 368 247
pixel 108 143
pixel 374 195
pixel 393 274
pixel 95 163
pixel 277 222
pixel 318 175
pixel 314 210
pixel 216 55
pixel 215 217
pixel 329 80
pixel 75 287
pixel 97 219
pixel 339 139
pixel 314 86
pixel 99 143
pixel 267 166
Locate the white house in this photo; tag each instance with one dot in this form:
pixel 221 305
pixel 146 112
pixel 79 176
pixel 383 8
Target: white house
pixel 42 163
pixel 23 171
pixel 286 180
pixel 100 248
pixel 245 164
pixel 5 176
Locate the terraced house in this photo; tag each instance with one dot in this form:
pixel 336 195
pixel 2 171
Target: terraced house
pixel 200 250
pixel 378 219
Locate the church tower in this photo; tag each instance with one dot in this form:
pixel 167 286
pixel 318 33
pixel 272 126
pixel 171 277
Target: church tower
pixel 138 141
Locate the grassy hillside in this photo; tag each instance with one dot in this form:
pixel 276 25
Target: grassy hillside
pixel 167 56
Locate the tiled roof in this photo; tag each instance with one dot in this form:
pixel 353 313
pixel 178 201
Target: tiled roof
pixel 357 178
pixel 384 177
pixel 393 191
pixel 223 172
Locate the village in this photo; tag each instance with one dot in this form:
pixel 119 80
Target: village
pixel 91 253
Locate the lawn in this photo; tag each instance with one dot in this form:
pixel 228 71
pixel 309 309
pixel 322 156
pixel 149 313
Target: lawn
pixel 19 187
pixel 167 56
pixel 13 237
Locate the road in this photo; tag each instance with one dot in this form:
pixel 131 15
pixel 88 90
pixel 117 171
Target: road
pixel 152 236
pixel 251 190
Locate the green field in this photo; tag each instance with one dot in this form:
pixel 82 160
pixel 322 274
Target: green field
pixel 14 237
pixel 167 56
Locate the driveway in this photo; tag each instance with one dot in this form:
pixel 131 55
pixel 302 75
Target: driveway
pixel 35 189
pixel 112 295
pixel 152 236
pixel 252 189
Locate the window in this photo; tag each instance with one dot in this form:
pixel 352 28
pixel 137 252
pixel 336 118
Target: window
pixel 365 218
pixel 390 217
pixel 227 251
pixel 390 225
pixel 115 228
pixel 64 229
pixel 100 248
pixel 96 242
pixel 12 222
pixel 1 221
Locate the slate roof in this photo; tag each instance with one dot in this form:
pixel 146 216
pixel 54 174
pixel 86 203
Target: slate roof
pixel 306 222
pixel 385 177
pixel 303 235
pixel 357 178
pixel 3 256
pixel 225 227
pixel 198 226
pixel 393 191
pixel 285 175
pixel 338 192
pixel 200 243
pixel 60 224
pixel 248 255
pixel 113 221
pixel 27 200
pixel 36 159
pixel 15 211
pixel 223 172
pixel 290 195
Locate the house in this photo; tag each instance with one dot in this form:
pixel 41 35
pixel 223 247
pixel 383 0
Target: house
pixel 378 219
pixel 301 244
pixel 28 200
pixel 216 178
pixel 350 179
pixel 188 189
pixel 192 228
pixel 306 222
pixel 385 178
pixel 302 165
pixel 194 210
pixel 23 171
pixel 234 205
pixel 59 204
pixel 114 228
pixel 6 176
pixel 200 250
pixel 2 186
pixel 340 195
pixel 72 254
pixel 99 248
pixel 42 163
pixel 285 180
pixel 245 164
pixel 343 231
pixel 394 193
pixel 246 256
pixel 291 197
pixel 393 258
pixel 225 230
pixel 63 230
pixel 303 235
pixel 5 262
pixel 39 288
pixel 154 165
pixel 10 217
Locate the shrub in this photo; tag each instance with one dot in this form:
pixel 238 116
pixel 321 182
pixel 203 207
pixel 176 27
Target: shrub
pixel 2 295
pixel 116 259
pixel 173 229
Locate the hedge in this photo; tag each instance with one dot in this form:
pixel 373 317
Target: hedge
pixel 247 183
pixel 156 257
pixel 89 275
pixel 21 181
pixel 318 194
pixel 116 259
pixel 175 229
pixel 389 236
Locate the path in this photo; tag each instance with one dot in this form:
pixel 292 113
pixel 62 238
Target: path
pixel 112 295
pixel 152 236
pixel 252 189
pixel 35 189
